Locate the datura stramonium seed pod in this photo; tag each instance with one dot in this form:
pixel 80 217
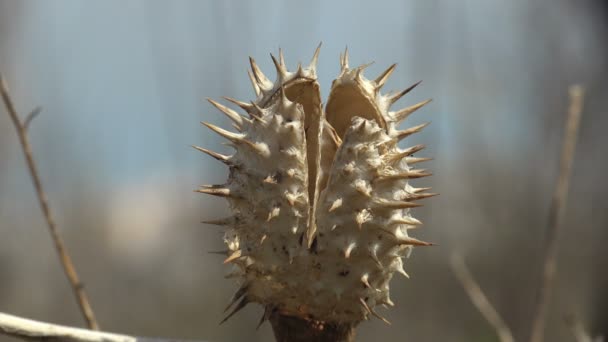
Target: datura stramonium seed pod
pixel 320 199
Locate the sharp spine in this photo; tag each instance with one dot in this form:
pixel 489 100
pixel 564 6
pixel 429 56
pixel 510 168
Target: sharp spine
pixel 254 84
pixel 237 308
pixel 223 158
pixel 406 133
pixel 402 114
pixel 315 58
pixel 221 192
pixel 381 80
pixel 235 255
pixel 231 114
pixel 395 97
pixel 236 296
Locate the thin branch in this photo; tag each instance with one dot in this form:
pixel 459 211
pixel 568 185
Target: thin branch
pixel 480 300
pixel 66 261
pixel 556 212
pixel 30 330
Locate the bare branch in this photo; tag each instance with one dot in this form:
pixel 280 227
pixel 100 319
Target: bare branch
pixel 66 261
pixel 31 116
pixel 556 212
pixel 39 331
pixel 480 300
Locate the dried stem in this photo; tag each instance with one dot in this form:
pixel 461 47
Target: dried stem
pixel 66 261
pixel 556 212
pixel 30 330
pixel 480 300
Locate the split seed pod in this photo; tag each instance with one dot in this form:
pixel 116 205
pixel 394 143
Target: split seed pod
pixel 320 198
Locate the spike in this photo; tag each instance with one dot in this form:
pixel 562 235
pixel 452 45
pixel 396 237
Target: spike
pixel 235 255
pixel 315 58
pixel 223 158
pixel 299 70
pixel 236 296
pixel 399 269
pixel 380 317
pixel 273 213
pixel 237 308
pixel 282 58
pixel 380 80
pixel 335 205
pixel 265 316
pixel 395 97
pixel 226 221
pixel 236 138
pixel 406 133
pixel 419 190
pixel 365 280
pixel 259 76
pixel 389 204
pixel 263 238
pixel 220 192
pixel 413 242
pixel 406 220
pixel 388 302
pixel 415 160
pixel 349 249
pixel 255 85
pixel 415 197
pixel 345 63
pixel 281 72
pixel 361 68
pixel 365 306
pixel 412 174
pixel 402 114
pixel 244 105
pixel 291 198
pixel 374 254
pixel 231 114
pixel 395 157
pixel 362 216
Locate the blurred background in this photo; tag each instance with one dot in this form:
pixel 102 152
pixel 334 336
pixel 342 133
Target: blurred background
pixel 122 85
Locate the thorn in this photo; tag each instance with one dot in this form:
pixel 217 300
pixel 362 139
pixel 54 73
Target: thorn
pixel 401 270
pixel 315 58
pixel 380 80
pixel 406 133
pixel 335 205
pixel 220 192
pixel 254 84
pixel 31 116
pixel 380 317
pixel 395 157
pixel 402 114
pixel 349 250
pixel 395 97
pixel 413 242
pixel 299 70
pixel 270 180
pixel 389 204
pixel 236 296
pixel 291 198
pixel 265 316
pixel 235 255
pixel 237 308
pixel 362 216
pixel 412 174
pixel 365 306
pixel 361 68
pixel 239 139
pixel 365 281
pixel 226 221
pixel 244 105
pixel 223 158
pixel 345 63
pixel 414 160
pixel 419 190
pixel 406 220
pixel 279 68
pixel 259 110
pixel 234 137
pixel 282 58
pixel 373 253
pixel 259 76
pixel 415 197
pixel 273 213
pixel 231 114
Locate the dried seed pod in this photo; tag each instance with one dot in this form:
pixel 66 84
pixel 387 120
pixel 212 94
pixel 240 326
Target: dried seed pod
pixel 320 199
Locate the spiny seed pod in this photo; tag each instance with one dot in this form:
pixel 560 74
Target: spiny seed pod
pixel 320 199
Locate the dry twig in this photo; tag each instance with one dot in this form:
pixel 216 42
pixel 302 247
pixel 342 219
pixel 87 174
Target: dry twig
pixel 480 300
pixel 66 261
pixel 38 331
pixel 556 212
